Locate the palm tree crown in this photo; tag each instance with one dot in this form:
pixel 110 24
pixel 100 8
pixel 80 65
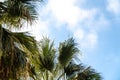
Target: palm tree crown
pixel 62 68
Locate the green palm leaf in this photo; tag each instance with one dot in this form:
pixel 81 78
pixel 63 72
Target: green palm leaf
pixel 21 40
pixel 66 51
pixel 88 74
pixel 47 55
pixel 72 69
pixel 18 12
pixel 26 41
pixel 80 72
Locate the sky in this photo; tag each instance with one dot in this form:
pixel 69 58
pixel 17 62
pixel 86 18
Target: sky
pixel 93 23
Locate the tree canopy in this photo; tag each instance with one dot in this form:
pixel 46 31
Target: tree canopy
pixel 24 58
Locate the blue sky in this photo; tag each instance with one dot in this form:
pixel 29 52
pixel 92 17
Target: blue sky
pixel 93 23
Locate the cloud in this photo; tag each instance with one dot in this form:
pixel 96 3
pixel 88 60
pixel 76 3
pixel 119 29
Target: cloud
pixel 40 29
pixel 114 6
pixel 64 10
pixel 2 0
pixel 87 40
pixel 84 24
pixel 87 28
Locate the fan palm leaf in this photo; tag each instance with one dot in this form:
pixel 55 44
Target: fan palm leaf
pixel 88 74
pixel 46 58
pixel 47 55
pixel 22 40
pixel 17 12
pixel 80 72
pixel 72 69
pixel 66 51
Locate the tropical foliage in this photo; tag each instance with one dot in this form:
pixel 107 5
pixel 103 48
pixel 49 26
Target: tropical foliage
pixel 15 48
pixel 57 64
pixel 81 72
pixel 24 58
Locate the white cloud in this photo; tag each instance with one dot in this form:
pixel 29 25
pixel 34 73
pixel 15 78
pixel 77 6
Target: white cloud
pixel 80 34
pixel 91 40
pixel 96 23
pixel 83 23
pixel 64 10
pixel 2 0
pixel 87 40
pixel 114 6
pixel 40 29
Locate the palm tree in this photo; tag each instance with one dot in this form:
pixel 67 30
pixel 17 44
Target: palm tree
pixel 67 49
pixel 16 50
pixel 46 58
pixel 57 65
pixel 50 65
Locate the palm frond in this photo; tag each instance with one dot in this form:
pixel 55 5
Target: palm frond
pixel 80 72
pixel 21 40
pixel 73 69
pixel 89 74
pixel 66 51
pixel 27 42
pixel 6 41
pixel 3 9
pixel 18 12
pixel 47 54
